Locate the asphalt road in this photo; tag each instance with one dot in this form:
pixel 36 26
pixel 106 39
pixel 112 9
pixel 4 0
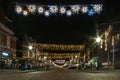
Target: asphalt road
pixel 60 74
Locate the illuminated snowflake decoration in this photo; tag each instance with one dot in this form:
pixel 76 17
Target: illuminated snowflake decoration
pixel 53 9
pixel 75 8
pixel 85 9
pixel 62 10
pixel 18 9
pixel 91 12
pixel 32 8
pixel 97 8
pixel 40 10
pixel 69 10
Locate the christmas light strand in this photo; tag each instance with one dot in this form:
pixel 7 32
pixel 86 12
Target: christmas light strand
pixel 69 10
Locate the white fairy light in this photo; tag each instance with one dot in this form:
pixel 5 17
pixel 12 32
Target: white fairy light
pixel 69 13
pixel 18 9
pixel 47 13
pixel 25 13
pixel 53 9
pixel 75 8
pixel 62 10
pixel 97 8
pixel 84 9
pixel 32 8
pixel 40 10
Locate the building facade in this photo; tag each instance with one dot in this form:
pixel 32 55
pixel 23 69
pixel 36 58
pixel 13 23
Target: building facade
pixel 109 47
pixel 7 44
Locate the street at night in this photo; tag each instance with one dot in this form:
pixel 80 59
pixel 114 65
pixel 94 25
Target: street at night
pixel 60 74
pixel 59 40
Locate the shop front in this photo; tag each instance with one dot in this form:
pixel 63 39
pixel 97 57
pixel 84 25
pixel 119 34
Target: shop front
pixel 6 60
pixel 94 63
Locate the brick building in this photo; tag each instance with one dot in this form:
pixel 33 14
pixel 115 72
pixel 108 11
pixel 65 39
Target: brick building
pixel 7 43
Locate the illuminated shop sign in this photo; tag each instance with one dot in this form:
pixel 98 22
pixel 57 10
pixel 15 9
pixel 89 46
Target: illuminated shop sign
pixel 60 61
pixel 4 54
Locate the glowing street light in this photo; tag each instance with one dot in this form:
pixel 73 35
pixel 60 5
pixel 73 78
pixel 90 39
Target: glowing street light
pixel 30 47
pixel 98 39
pixel 45 57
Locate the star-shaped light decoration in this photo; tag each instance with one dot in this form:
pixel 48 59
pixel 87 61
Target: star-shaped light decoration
pixel 53 9
pixel 97 8
pixel 91 12
pixel 75 8
pixel 32 8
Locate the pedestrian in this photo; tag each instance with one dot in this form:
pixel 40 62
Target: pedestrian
pixel 91 65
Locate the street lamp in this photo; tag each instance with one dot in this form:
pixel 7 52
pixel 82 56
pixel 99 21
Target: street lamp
pixel 30 49
pixel 98 39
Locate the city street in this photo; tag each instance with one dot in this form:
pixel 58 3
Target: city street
pixel 60 74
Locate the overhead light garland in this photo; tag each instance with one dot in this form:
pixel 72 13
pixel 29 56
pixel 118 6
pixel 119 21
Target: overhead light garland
pixel 69 10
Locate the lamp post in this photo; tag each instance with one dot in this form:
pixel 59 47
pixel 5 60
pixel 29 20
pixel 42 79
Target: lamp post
pixel 30 49
pixel 98 40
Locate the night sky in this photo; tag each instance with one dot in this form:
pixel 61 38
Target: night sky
pixel 60 29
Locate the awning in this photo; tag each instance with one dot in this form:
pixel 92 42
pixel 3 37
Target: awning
pixel 94 59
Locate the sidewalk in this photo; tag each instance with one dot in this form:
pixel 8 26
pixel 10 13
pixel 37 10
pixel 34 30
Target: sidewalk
pixel 16 70
pixel 100 71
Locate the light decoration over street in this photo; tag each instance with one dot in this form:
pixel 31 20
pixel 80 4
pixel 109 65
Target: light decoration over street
pixel 69 10
pixel 25 13
pixel 18 9
pixel 53 9
pixel 72 48
pixel 75 8
pixel 47 13
pixel 31 8
pixel 62 10
pixel 97 8
pixel 85 9
pixel 40 10
pixel 69 13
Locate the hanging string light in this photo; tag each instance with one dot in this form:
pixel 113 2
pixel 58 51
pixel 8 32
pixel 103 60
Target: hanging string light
pixel 58 9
